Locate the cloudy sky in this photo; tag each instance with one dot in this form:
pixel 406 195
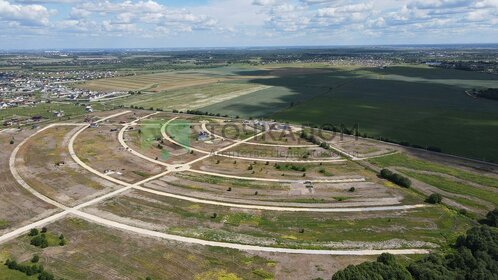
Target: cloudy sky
pixel 38 24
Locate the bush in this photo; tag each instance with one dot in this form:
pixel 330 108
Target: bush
pixel 475 257
pixel 33 232
pixel 386 267
pixel 395 178
pixel 434 198
pixel 35 259
pixel 492 218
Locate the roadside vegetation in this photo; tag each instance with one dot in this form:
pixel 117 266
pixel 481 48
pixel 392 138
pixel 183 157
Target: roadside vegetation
pixel 473 257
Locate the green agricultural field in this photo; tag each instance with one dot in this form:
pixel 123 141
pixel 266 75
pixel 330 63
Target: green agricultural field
pixel 414 104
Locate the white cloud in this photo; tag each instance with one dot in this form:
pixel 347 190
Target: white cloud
pixel 30 15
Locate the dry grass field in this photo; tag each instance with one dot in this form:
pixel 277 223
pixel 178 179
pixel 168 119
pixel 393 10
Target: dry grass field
pixel 157 82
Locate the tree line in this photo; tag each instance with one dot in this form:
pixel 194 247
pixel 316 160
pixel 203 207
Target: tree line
pixel 474 256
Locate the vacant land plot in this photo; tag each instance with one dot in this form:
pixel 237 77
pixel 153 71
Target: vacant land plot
pixel 191 97
pixel 151 82
pixel 100 149
pixel 420 228
pixel 45 164
pixel 477 192
pixel 295 194
pixel 45 110
pixel 17 206
pixel 95 252
pixel 281 153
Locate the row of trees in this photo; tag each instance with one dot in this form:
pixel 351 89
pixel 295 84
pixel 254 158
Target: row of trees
pixel 30 269
pixel 475 257
pixel 396 178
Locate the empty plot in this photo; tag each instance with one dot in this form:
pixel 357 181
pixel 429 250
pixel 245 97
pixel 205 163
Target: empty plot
pixel 45 164
pixel 100 149
pixel 17 206
pixel 150 82
pixel 418 228
pixel 96 252
pixel 189 97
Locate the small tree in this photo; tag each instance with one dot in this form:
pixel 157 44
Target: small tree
pixel 44 230
pixel 35 258
pixel 434 198
pixel 33 232
pixel 492 218
pixel 352 189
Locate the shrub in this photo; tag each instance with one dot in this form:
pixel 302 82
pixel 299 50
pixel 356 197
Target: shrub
pixel 395 178
pixel 434 198
pixel 492 218
pixel 35 259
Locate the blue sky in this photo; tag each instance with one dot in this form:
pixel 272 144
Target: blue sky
pixel 34 24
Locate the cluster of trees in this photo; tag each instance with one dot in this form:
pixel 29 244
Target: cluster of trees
pixel 142 108
pixel 30 269
pixel 491 218
pixel 396 178
pixel 490 93
pixel 200 113
pixel 39 238
pixel 475 256
pixel 290 167
pixel 311 138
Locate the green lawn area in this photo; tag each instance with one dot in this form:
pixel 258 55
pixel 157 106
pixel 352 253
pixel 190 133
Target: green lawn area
pixel 402 160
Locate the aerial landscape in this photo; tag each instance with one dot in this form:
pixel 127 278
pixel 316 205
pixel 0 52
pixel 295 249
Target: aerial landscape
pixel 227 140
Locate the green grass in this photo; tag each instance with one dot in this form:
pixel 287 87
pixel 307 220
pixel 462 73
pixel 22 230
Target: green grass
pixel 454 187
pixel 45 110
pixel 434 224
pixel 116 254
pixel 4 224
pixel 185 98
pixel 10 274
pixel 402 160
pixel 419 105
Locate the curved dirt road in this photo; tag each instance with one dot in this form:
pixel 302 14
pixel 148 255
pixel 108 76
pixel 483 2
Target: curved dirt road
pixel 75 211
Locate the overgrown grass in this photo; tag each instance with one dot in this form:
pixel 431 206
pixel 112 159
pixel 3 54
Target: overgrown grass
pixel 454 187
pixel 402 160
